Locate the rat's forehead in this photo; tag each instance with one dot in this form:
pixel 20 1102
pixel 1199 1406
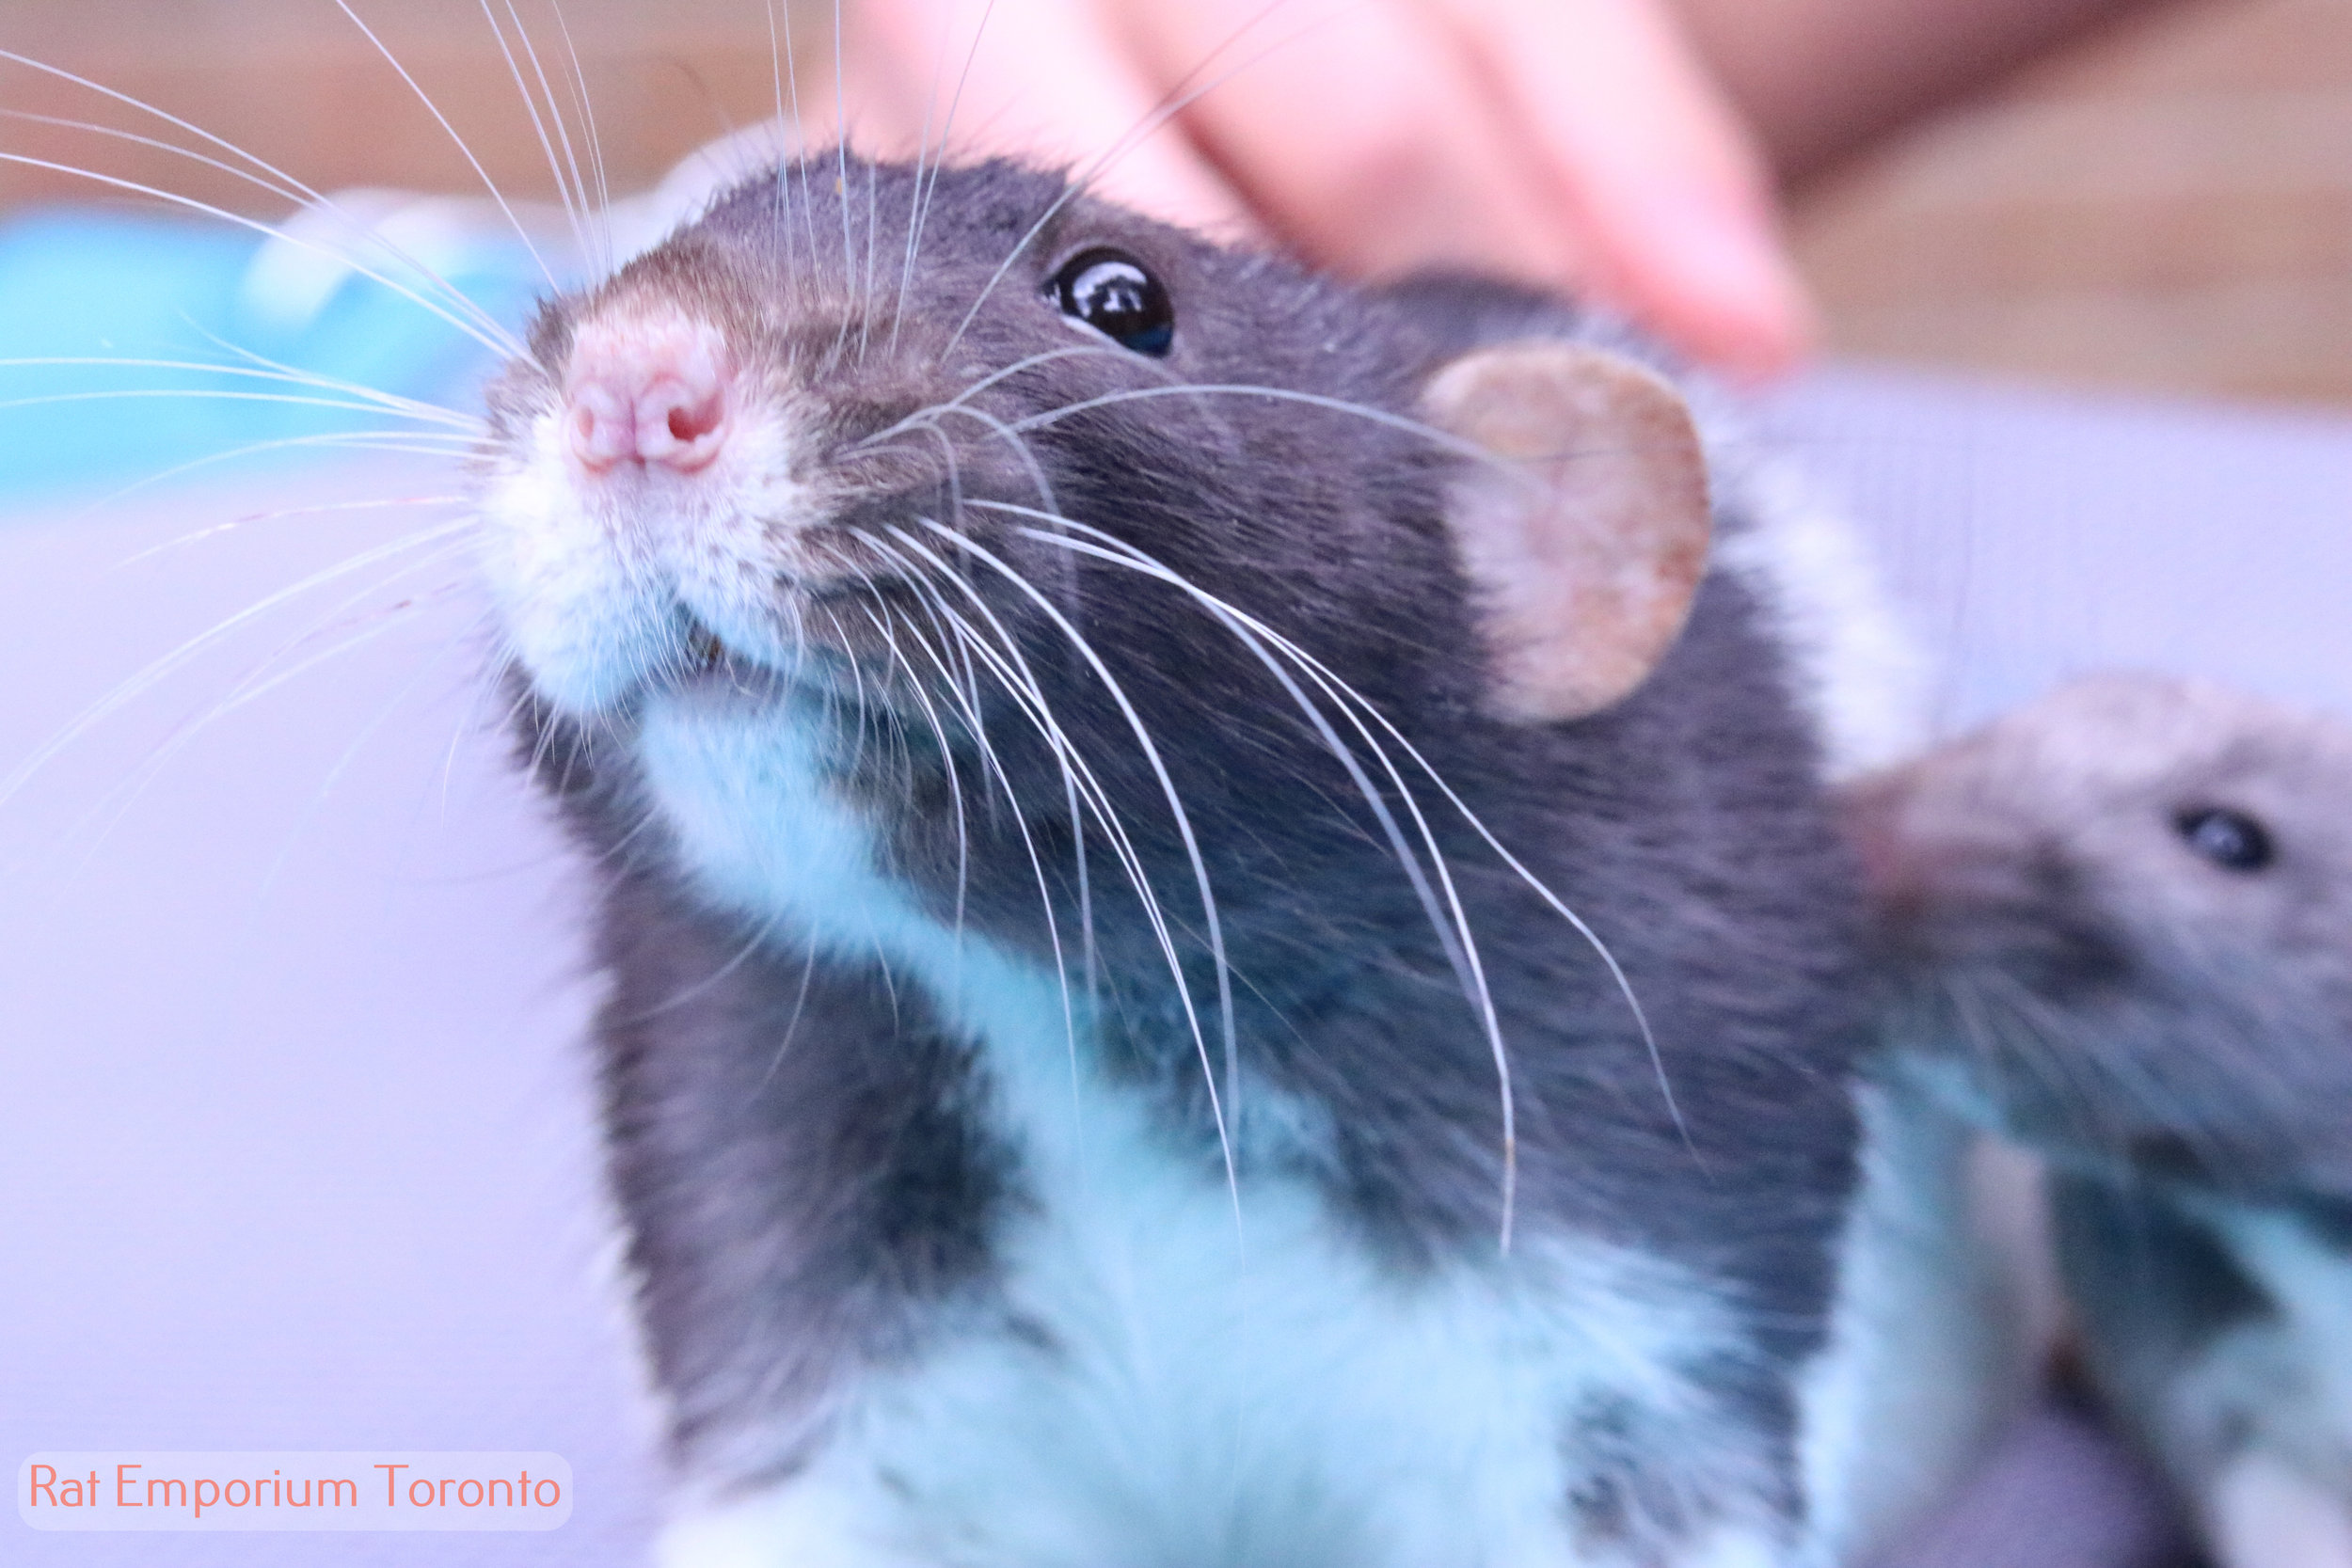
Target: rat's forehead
pixel 2132 735
pixel 830 212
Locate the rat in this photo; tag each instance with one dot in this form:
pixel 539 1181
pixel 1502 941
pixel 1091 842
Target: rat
pixel 1223 936
pixel 2117 925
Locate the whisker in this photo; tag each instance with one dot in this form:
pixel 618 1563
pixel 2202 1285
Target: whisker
pixel 384 402
pixel 343 761
pixel 784 177
pixel 145 679
pixel 1421 428
pixel 287 186
pixel 435 109
pixel 1454 935
pixel 1352 702
pixel 605 259
pixel 921 207
pixel 574 190
pixel 496 340
pixel 841 160
pixel 401 441
pixel 1184 827
pixel 216 394
pixel 981 385
pixel 1020 684
pixel 320 508
pixel 125 794
pixel 945 618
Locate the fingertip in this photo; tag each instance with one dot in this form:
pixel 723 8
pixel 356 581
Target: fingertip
pixel 1724 287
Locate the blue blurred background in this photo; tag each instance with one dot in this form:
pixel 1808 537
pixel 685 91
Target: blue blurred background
pixel 116 285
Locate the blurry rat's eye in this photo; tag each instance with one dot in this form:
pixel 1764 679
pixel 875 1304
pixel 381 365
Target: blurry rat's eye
pixel 2228 838
pixel 1110 291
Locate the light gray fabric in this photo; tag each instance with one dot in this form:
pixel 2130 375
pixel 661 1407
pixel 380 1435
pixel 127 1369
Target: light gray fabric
pixel 295 1143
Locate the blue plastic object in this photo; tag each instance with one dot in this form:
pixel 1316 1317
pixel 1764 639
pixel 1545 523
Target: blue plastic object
pixel 81 285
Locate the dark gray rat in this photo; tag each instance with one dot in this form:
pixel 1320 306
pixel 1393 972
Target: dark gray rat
pixel 1225 942
pixel 2120 924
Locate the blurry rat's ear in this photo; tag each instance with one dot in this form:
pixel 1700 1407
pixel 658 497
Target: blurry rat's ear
pixel 1586 538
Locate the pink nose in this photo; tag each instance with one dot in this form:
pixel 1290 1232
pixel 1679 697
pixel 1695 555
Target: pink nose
pixel 651 391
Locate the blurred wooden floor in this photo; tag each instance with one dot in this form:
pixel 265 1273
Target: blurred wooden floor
pixel 2168 208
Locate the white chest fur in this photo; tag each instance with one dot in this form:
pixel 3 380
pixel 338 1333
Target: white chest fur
pixel 1184 1374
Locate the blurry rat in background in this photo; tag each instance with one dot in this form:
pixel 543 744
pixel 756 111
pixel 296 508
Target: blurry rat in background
pixel 2120 928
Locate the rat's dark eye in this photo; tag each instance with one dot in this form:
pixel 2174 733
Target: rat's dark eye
pixel 1110 291
pixel 2228 838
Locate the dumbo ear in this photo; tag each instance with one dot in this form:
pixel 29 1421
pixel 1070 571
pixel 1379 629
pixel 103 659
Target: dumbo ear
pixel 1586 538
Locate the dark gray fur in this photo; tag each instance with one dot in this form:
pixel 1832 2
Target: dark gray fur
pixel 807 1164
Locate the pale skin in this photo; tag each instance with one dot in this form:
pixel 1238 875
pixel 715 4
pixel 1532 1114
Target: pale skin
pixel 1628 149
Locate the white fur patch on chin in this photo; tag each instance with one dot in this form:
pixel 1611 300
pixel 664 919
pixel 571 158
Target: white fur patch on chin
pixel 587 616
pixel 594 578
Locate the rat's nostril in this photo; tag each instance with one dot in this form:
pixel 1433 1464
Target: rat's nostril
pixel 693 421
pixel 649 392
pixel 603 427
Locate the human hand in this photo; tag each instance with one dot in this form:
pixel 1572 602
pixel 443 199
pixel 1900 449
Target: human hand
pixel 1570 143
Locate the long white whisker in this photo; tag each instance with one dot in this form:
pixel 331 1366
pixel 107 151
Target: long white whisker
pixel 286 186
pixel 1352 702
pixel 145 679
pixel 435 109
pixel 574 190
pixel 605 259
pixel 923 194
pixel 343 763
pixel 402 441
pixel 320 509
pixel 125 794
pixel 212 393
pixel 792 86
pixel 981 385
pixel 1020 684
pixel 1176 807
pixel 1454 933
pixel 496 340
pixel 841 150
pixel 1421 428
pixel 784 175
pixel 951 625
pixel 384 402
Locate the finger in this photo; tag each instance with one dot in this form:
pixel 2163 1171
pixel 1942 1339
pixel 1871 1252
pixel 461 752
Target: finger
pixel 1659 176
pixel 1043 80
pixel 1355 131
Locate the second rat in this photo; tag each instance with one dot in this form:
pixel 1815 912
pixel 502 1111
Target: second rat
pixel 2120 924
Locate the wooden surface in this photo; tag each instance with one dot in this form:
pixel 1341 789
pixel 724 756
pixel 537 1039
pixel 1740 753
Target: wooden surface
pixel 296 83
pixel 2166 207
pixel 2170 208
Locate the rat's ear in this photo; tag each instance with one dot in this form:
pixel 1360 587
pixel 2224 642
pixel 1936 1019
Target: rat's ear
pixel 1586 538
